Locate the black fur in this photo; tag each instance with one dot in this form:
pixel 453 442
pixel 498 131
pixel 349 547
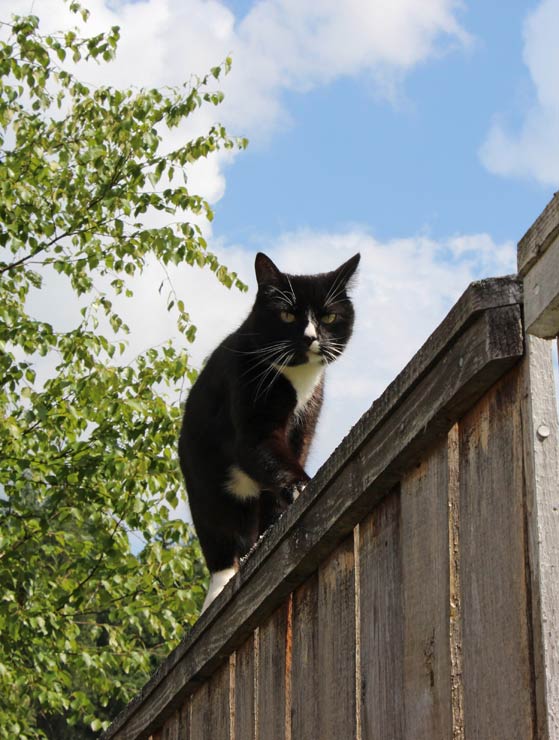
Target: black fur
pixel 241 411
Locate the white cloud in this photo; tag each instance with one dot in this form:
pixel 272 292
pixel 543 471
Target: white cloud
pixel 279 45
pixel 532 150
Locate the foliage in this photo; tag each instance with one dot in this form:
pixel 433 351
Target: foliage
pixel 87 438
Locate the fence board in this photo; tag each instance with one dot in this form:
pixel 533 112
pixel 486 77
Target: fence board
pixel 425 578
pixel 541 295
pixel 455 587
pixel 336 644
pixel 541 457
pixel 210 713
pixel 171 728
pixel 539 236
pixel 304 667
pixel 381 632
pixel 245 697
pixel 273 675
pixel 496 660
pixel 184 721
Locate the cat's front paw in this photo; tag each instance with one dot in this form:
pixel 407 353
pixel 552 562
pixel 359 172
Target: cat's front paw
pixel 290 493
pixel 298 488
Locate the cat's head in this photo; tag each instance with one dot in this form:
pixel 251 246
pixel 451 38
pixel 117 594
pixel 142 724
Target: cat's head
pixel 303 318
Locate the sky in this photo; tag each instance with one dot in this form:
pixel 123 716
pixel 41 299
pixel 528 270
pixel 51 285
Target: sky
pixel 423 134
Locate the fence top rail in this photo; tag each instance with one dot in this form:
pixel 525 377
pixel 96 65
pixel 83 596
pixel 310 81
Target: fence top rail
pixel 539 236
pixel 480 338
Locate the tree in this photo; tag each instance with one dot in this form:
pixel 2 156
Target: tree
pixel 87 449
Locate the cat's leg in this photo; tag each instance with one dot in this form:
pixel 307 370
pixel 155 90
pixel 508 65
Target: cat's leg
pixel 234 532
pixel 272 505
pixel 274 465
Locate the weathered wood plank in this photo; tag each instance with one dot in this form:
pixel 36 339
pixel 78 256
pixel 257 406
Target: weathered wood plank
pixel 245 693
pixel 210 709
pixel 304 666
pixel 539 236
pixel 184 721
pixel 274 675
pixel 455 586
pixel 424 507
pixel 382 711
pixel 541 294
pixel 497 671
pixel 336 645
pixel 415 411
pixel 171 728
pixel 541 459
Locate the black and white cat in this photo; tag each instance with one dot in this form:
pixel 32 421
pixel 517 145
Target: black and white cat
pixel 251 415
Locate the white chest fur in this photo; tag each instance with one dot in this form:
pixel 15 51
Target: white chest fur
pixel 304 379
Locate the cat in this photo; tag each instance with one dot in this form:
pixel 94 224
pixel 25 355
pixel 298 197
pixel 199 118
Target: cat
pixel 250 417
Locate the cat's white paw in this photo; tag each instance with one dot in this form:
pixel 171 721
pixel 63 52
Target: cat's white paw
pixel 298 489
pixel 218 581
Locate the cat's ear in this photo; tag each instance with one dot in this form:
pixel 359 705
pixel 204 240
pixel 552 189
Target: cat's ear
pixel 266 272
pixel 343 276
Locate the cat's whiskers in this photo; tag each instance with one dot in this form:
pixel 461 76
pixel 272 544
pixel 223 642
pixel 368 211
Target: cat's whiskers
pixel 332 349
pixel 335 289
pixel 269 358
pixel 289 299
pixel 336 300
pixel 291 288
pixel 337 346
pixel 259 350
pixel 274 368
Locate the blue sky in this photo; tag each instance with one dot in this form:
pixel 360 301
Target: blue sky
pixel 422 133
pixel 412 166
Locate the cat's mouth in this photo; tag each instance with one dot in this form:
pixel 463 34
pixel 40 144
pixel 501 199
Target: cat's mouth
pixel 308 357
pixel 315 357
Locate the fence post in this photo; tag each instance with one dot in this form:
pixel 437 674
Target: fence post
pixel 538 265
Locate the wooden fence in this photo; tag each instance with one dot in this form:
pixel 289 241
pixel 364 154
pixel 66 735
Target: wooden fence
pixel 412 590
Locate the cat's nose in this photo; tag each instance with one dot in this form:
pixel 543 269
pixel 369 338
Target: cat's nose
pixel 308 340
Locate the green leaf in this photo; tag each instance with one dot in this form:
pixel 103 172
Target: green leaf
pixel 97 581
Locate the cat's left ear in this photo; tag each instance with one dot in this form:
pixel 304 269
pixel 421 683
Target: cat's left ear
pixel 266 272
pixel 343 276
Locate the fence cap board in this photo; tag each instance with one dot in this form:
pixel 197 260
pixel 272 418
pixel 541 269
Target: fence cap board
pixel 221 627
pixel 539 236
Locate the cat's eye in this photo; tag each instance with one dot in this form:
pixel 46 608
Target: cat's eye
pixel 328 318
pixel 287 316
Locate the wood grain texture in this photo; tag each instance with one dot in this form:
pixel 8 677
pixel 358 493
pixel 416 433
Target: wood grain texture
pixel 541 294
pixel 468 354
pixel 382 710
pixel 424 510
pixel 273 676
pixel 304 666
pixel 336 645
pixel 184 721
pixel 171 728
pixel 245 694
pixel 497 670
pixel 455 590
pixel 541 460
pixel 210 710
pixel 539 236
